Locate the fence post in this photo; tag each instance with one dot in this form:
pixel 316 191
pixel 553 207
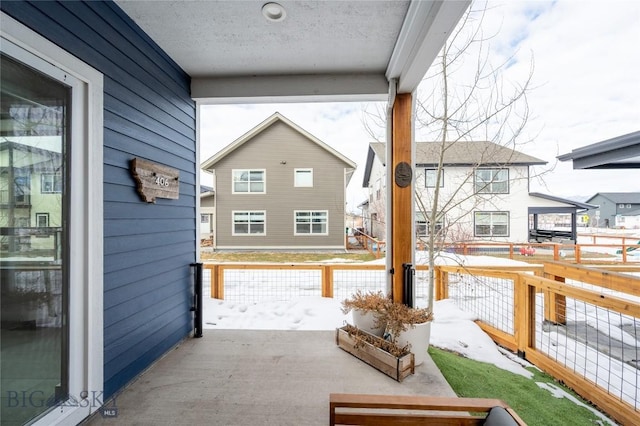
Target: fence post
pixel 555 305
pixel 519 314
pixel 327 281
pixel 511 251
pixel 213 271
pixel 219 282
pixel 556 252
pixel 577 249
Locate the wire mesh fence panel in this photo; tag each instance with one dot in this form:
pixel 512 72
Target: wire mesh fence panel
pixel 422 288
pixel 261 285
pixel 206 282
pixel 595 343
pixel 347 282
pixel 490 298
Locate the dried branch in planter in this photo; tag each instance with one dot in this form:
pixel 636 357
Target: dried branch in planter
pixel 370 301
pixel 360 337
pixel 400 317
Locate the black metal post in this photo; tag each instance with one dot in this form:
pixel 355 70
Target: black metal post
pixel 197 299
pixel 408 274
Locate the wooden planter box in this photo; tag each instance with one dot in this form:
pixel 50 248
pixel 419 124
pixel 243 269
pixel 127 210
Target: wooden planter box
pixel 395 367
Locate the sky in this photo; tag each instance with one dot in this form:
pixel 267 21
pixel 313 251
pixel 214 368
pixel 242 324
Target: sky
pixel 452 328
pixel 585 89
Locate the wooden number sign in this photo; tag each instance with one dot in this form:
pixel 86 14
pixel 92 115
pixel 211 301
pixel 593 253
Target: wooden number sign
pixel 155 180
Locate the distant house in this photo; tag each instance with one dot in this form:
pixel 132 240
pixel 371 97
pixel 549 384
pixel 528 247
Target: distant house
pixel 279 187
pixel 613 208
pixel 486 184
pixel 628 220
pixel 207 210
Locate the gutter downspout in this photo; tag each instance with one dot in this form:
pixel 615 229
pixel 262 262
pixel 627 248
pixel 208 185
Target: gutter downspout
pixel 393 87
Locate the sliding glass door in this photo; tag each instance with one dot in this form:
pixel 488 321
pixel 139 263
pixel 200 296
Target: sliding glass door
pixel 34 147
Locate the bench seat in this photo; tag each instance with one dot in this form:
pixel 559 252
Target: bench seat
pixel 379 410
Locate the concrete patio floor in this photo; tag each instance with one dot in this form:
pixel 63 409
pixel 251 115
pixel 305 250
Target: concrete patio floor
pixel 256 377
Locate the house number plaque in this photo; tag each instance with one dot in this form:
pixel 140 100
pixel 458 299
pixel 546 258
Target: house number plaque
pixel 155 180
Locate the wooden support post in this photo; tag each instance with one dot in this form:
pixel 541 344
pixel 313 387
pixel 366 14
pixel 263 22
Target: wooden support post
pixel 400 165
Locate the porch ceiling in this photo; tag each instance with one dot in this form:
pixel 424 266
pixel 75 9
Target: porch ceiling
pixel 321 50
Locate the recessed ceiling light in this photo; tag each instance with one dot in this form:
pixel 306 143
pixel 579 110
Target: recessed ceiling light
pixel 274 12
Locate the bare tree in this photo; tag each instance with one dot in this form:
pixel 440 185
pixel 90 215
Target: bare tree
pixel 465 103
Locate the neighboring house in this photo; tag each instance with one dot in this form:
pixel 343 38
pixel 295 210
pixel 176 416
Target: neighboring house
pixel 279 187
pixel 612 206
pixel 207 212
pixel 489 184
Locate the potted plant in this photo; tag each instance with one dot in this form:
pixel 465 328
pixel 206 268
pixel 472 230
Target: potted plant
pixel 368 310
pixel 409 326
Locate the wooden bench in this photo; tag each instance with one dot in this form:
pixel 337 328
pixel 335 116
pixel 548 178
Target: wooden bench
pixel 360 409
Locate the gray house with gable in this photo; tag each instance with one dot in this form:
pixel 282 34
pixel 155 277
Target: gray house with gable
pixel 279 187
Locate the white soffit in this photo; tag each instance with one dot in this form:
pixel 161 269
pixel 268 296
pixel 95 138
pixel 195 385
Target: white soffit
pixel 321 50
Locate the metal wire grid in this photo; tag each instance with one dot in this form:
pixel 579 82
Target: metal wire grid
pixel 491 299
pixel 206 283
pixel 347 282
pixel 422 288
pixel 253 285
pixel 595 343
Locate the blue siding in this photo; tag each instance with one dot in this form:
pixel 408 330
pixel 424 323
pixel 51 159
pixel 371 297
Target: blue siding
pixel 148 113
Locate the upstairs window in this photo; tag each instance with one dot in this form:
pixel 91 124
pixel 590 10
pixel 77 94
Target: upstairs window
pixel 491 181
pixel 430 177
pixel 249 181
pixel 51 183
pixel 303 178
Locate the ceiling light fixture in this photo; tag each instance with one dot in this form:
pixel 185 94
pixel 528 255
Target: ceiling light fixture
pixel 274 12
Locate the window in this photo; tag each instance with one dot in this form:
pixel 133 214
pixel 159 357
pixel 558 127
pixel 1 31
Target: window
pixel 491 181
pixel 430 176
pixel 303 178
pixel 204 218
pixel 51 183
pixel 249 223
pixel 422 225
pixel 491 224
pixel 249 181
pixel 311 222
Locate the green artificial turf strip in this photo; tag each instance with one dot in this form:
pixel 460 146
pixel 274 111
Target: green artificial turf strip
pixel 536 406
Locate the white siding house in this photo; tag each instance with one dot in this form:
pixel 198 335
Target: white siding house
pixel 483 191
